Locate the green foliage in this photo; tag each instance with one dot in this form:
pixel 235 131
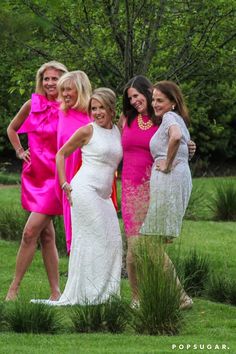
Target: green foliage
pixel 12 222
pixel 24 317
pixel 110 316
pixel 191 43
pixel 2 316
pixel 159 295
pixel 9 178
pixel 197 205
pixel 222 289
pixel 60 235
pixel 195 270
pixel 223 203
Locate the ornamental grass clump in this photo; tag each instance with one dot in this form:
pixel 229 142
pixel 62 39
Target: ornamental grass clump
pixel 12 222
pixel 2 316
pixel 195 270
pixel 111 316
pixel 197 206
pixel 25 317
pixel 223 203
pixel 221 289
pixel 159 294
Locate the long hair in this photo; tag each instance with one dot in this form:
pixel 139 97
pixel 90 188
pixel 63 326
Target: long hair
pixel 174 94
pixel 83 87
pixel 143 86
pixel 107 97
pixel 39 76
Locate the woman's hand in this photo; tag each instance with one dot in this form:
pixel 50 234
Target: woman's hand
pixel 23 155
pixel 161 166
pixel 67 189
pixel 191 148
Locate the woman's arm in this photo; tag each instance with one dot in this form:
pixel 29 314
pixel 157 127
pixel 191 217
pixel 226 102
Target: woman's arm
pixel 175 136
pixel 121 122
pixel 15 124
pixel 80 138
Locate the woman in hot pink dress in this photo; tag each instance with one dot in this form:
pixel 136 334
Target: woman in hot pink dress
pixel 74 92
pixel 38 118
pixel 138 125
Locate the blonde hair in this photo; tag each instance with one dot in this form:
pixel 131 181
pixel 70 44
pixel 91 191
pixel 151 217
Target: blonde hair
pixel 83 87
pixel 39 76
pixel 106 96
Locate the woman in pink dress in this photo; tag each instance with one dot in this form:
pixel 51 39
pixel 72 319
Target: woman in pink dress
pixel 38 118
pixel 74 92
pixel 138 125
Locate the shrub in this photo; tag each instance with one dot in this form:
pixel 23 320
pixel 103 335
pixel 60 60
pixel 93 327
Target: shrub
pixel 221 289
pixel 60 235
pixel 224 201
pixel 159 294
pixel 110 316
pixel 195 270
pixel 24 317
pixel 2 316
pixel 12 222
pixel 197 205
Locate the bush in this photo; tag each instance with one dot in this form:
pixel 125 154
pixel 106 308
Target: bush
pixel 224 201
pixel 159 294
pixel 221 289
pixel 197 205
pixel 110 316
pixel 60 235
pixel 24 317
pixel 2 316
pixel 12 222
pixel 195 269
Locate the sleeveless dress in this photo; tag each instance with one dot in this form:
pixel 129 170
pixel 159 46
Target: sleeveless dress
pixel 96 250
pixel 169 193
pixel 136 170
pixel 69 122
pixel 38 193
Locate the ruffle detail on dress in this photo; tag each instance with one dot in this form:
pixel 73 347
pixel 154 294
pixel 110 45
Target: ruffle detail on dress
pixel 41 109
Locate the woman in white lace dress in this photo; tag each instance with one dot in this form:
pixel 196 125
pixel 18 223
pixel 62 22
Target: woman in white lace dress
pixel 96 250
pixel 171 182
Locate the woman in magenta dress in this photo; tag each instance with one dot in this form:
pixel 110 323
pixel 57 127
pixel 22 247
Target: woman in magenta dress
pixel 138 125
pixel 74 92
pixel 38 118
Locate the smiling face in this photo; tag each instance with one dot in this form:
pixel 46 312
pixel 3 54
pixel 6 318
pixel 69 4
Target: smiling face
pixel 49 83
pixel 69 94
pixel 137 100
pixel 161 103
pixel 101 115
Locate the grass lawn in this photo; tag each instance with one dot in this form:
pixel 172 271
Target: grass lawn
pixel 208 323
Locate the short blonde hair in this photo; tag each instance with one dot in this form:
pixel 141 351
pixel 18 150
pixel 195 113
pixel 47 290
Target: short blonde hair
pixel 39 76
pixel 83 87
pixel 106 96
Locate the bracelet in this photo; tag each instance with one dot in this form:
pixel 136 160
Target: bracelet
pixel 63 185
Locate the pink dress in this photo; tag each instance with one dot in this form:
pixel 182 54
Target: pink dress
pixel 69 122
pixel 38 177
pixel 136 170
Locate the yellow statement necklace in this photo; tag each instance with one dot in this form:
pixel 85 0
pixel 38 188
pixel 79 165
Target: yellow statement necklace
pixel 144 125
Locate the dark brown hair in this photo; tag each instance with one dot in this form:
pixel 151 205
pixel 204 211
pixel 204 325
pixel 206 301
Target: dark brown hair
pixel 174 94
pixel 143 86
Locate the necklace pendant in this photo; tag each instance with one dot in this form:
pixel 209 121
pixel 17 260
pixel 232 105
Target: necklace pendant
pixel 144 125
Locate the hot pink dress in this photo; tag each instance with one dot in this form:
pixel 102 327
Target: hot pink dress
pixel 136 170
pixel 38 177
pixel 69 122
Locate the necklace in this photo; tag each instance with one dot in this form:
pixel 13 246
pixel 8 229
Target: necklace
pixel 144 125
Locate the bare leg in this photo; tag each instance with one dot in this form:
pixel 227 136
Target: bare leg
pixel 131 268
pixel 33 228
pixel 50 258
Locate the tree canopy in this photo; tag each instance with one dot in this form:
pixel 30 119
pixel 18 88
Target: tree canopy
pixel 191 42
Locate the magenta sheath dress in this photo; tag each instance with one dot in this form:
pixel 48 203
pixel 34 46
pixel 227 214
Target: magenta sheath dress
pixel 69 122
pixel 38 177
pixel 136 170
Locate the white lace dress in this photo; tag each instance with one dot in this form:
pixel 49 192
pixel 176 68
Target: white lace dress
pixel 96 251
pixel 169 193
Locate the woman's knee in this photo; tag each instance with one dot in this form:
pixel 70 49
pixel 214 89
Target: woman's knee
pixel 47 236
pixel 30 236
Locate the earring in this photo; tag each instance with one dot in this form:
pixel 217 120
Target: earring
pixel 173 107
